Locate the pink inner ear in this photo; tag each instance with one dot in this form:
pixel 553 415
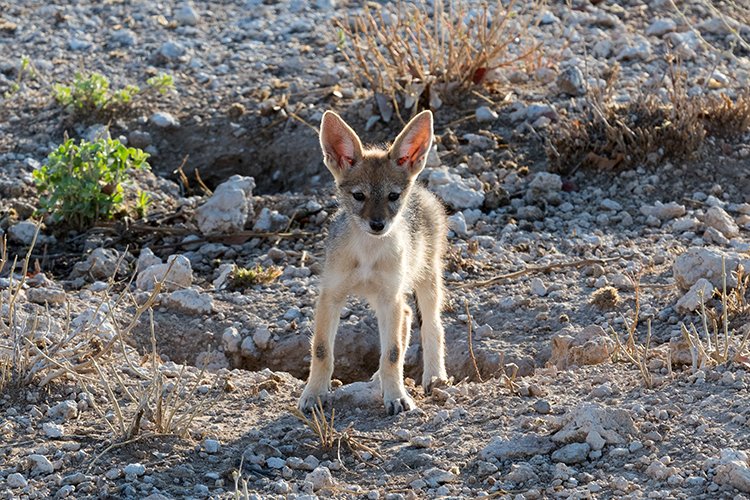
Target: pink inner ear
pixel 414 141
pixel 338 143
pixel 414 147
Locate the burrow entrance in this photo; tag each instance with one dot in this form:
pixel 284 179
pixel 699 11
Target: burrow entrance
pixel 282 157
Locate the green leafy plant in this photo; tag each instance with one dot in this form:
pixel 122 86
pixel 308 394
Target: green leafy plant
pixel 161 83
pixel 25 69
pixel 93 94
pixel 83 183
pixel 142 202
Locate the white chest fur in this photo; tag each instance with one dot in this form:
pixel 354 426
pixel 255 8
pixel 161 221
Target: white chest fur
pixel 376 264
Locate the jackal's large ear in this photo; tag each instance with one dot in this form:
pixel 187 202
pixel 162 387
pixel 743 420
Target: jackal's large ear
pixel 413 143
pixel 341 146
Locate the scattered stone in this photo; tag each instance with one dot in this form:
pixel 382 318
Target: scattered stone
pixel 661 26
pixel 573 453
pixel 147 259
pixel 663 211
pixel 64 410
pixel 590 346
pixel 434 477
pixel 23 232
pixel 171 50
pixel 162 119
pixel 571 81
pixel 185 14
pixel 262 337
pixel 456 191
pixel 457 224
pixel 611 205
pixel 719 219
pixel 227 210
pixel 657 470
pixel 42 465
pixel 16 480
pixel 189 301
pixel 176 273
pixel 422 441
pixel 270 221
pixel 139 139
pixel 548 18
pixel 101 264
pixel 542 406
pixel 281 487
pixel 231 339
pixel 320 478
pixel 595 440
pixel 545 183
pixel 615 425
pixel 706 263
pixel 538 288
pixel 700 293
pixel 134 470
pixel 638 48
pixel 684 224
pixel 523 446
pixel 52 430
pixel 733 470
pixel 211 445
pixel 484 114
pixel 46 295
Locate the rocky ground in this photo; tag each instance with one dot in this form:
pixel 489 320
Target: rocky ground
pixel 546 272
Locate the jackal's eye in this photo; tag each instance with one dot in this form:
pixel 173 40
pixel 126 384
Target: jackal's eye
pixel 358 196
pixel 393 196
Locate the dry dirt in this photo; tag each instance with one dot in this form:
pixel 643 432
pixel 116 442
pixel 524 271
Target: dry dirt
pixel 552 408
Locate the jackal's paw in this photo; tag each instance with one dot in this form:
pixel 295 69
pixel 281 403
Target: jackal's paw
pixel 311 398
pixel 398 404
pixel 429 382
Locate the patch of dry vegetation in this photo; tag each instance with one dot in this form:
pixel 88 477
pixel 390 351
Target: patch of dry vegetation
pixel 245 277
pixel 132 401
pixel 329 437
pixel 651 128
pixel 719 344
pixel 419 55
pixel 605 298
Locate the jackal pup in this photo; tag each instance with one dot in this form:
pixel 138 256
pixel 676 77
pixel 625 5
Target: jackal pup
pixel 386 241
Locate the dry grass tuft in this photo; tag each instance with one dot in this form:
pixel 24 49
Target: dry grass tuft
pixel 651 128
pixel 422 55
pixel 606 298
pixel 161 402
pixel 35 351
pixel 719 344
pixel 630 349
pixel 91 351
pixel 331 439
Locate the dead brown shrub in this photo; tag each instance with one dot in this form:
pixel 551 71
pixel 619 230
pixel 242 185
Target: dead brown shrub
pixel 650 128
pixel 421 55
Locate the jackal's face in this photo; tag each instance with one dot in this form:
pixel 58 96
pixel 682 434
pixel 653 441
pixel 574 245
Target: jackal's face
pixel 374 184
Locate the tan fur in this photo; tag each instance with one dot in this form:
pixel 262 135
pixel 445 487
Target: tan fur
pixel 382 249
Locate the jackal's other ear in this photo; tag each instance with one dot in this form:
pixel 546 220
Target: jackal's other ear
pixel 413 143
pixel 341 146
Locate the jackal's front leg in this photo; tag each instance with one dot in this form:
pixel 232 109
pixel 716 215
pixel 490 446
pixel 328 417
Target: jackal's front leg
pixel 393 316
pixel 430 299
pixel 321 363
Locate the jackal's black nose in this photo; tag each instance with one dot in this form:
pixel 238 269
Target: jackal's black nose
pixel 377 225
